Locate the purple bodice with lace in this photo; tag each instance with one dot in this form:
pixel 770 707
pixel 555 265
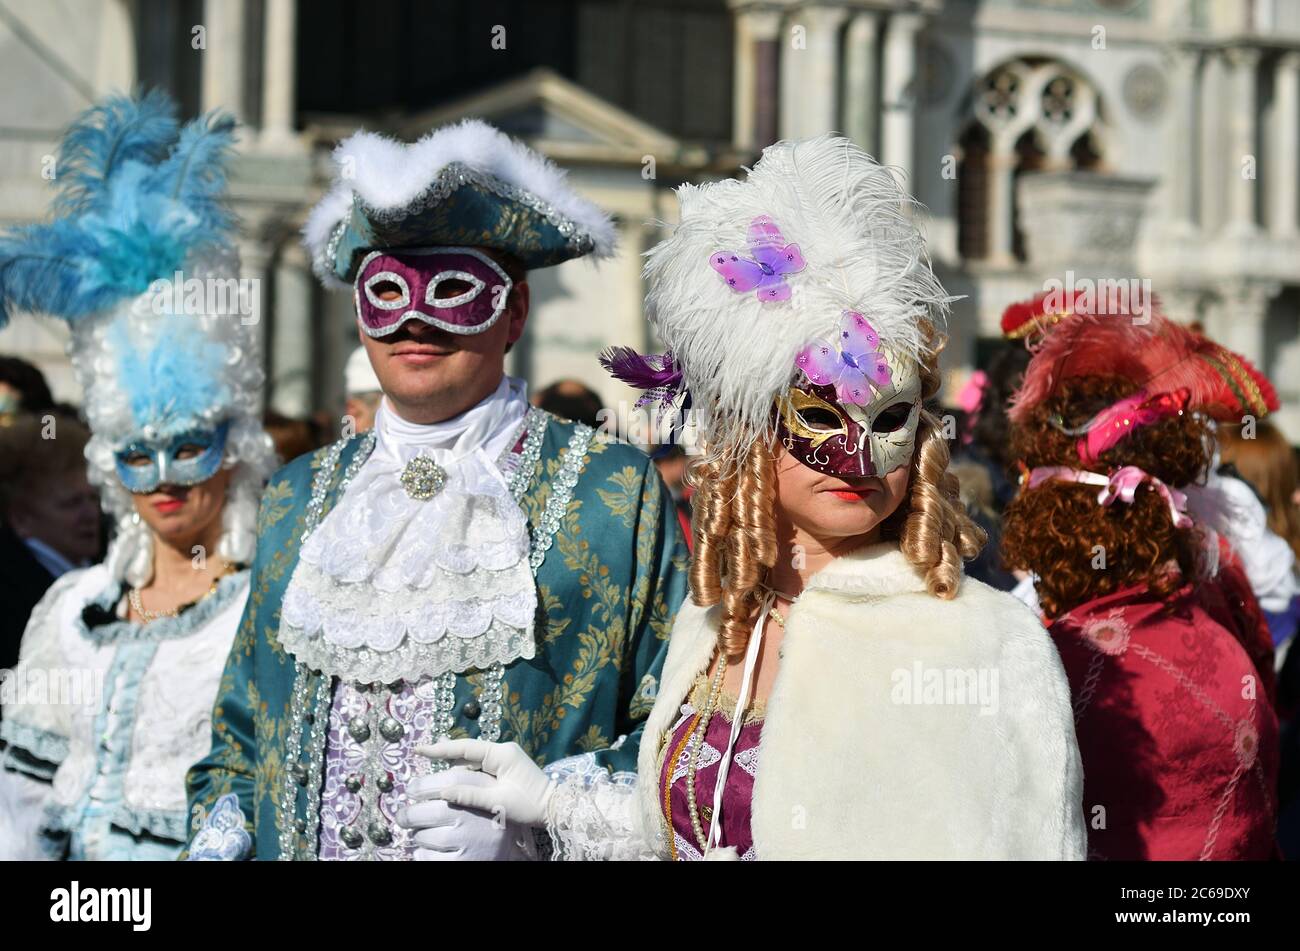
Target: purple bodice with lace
pixel 738 795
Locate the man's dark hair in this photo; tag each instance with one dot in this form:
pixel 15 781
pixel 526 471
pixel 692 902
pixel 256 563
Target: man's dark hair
pixel 570 399
pixel 28 381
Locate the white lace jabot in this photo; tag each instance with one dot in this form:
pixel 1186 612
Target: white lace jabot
pixel 393 586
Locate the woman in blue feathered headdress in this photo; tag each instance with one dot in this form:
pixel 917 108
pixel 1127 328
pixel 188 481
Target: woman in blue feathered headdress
pixel 111 700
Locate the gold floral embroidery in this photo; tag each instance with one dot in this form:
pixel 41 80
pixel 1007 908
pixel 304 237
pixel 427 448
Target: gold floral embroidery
pixel 268 770
pixel 599 645
pixel 593 740
pixel 623 501
pixel 277 502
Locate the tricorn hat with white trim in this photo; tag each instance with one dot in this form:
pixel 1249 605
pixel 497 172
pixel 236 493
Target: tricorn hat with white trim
pixel 467 184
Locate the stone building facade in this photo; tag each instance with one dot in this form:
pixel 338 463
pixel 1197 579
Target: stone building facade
pixel 1117 141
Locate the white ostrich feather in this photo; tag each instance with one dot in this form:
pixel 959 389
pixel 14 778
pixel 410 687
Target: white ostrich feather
pixel 853 223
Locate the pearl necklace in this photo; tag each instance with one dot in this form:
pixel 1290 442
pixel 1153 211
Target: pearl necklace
pixel 694 751
pixel 696 748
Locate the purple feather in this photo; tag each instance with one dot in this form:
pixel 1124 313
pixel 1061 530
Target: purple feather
pixel 656 373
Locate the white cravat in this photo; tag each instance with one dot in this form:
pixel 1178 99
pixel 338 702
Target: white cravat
pixel 485 427
pixel 392 586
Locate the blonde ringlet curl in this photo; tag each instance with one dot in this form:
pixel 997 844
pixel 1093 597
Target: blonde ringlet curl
pixel 734 524
pixel 936 533
pixel 734 520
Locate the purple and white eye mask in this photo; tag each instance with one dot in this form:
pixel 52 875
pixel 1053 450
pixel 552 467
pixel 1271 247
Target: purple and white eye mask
pixel 417 273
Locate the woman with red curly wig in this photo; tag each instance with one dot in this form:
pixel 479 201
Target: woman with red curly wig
pixel 836 688
pixel 1113 427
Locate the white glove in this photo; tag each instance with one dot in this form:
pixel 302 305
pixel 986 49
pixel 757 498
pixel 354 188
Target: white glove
pixel 449 833
pixel 519 790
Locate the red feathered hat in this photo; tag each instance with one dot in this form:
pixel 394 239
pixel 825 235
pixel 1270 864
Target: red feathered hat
pixel 1024 319
pixel 1142 345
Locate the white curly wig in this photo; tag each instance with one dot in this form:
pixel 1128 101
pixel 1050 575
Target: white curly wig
pixel 147 376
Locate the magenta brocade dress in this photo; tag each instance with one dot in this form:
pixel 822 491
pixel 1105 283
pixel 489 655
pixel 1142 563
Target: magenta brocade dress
pixel 738 796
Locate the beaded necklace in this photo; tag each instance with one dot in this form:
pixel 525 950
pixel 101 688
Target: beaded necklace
pixel 137 604
pixel 696 745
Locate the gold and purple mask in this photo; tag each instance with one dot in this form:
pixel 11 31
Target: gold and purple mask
pixel 857 412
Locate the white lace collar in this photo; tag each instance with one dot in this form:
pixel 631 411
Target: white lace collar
pixel 418 577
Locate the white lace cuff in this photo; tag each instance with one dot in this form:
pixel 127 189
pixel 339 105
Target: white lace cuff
pixel 592 815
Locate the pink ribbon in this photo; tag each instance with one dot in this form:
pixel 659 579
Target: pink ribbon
pixel 1119 420
pixel 1121 484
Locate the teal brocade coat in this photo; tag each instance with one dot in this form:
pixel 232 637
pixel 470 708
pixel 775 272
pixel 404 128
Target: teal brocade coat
pixel 608 587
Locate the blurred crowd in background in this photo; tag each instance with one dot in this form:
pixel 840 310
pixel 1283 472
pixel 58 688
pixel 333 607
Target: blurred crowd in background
pixel 49 506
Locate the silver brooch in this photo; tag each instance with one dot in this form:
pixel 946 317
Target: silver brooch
pixel 422 478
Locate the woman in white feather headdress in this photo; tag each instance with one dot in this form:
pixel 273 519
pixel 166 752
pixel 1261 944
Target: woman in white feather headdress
pixel 837 688
pixel 119 665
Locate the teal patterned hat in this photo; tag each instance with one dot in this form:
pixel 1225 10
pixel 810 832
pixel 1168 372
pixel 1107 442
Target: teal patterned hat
pixel 466 185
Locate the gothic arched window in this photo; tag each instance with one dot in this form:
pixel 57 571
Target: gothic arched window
pixel 1026 115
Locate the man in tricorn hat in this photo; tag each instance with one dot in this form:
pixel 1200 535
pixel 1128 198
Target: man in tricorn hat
pixel 471 567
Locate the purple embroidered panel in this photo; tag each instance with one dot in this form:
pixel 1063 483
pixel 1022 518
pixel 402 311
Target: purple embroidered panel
pixel 354 770
pixel 737 798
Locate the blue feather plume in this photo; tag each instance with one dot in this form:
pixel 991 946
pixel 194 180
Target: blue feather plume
pixel 195 173
pixel 136 200
pixel 172 380
pixel 103 139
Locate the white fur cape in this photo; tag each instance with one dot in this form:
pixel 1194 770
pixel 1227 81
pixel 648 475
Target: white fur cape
pixel 852 765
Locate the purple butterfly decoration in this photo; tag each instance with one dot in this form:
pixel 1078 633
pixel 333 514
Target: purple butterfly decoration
pixel 772 260
pixel 854 367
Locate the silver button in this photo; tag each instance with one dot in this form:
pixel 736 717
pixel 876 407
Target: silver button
pixel 379 834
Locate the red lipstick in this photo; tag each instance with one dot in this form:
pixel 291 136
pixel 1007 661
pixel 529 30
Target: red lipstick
pixel 852 495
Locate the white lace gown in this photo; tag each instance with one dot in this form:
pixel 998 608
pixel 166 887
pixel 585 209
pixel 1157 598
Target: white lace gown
pixel 103 720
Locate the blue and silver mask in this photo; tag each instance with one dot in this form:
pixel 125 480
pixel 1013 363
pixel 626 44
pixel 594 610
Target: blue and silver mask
pixel 187 459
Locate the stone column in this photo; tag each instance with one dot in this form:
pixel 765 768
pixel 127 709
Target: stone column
pixel 790 62
pixel 811 83
pixel 1243 158
pixel 223 56
pixel 756 77
pixel 1180 135
pixel 292 334
pixel 1212 155
pixel 116 61
pixel 1238 320
pixel 279 56
pixel 1000 171
pixel 897 94
pixel 1283 171
pixel 254 257
pixel 861 97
